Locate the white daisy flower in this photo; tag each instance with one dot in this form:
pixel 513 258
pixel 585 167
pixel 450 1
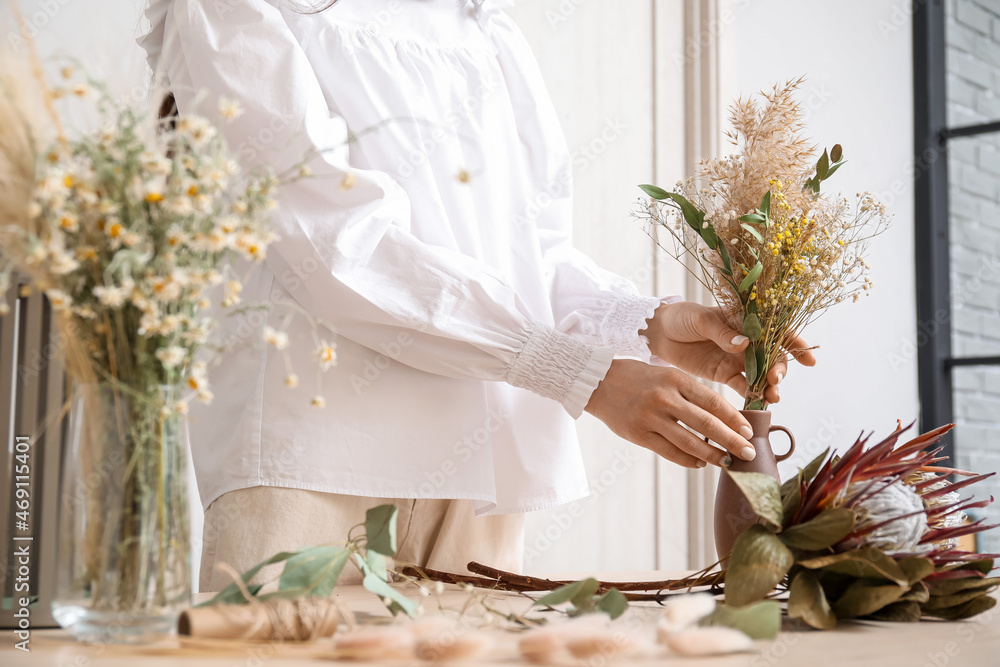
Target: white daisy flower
pixel 171 357
pixel 229 109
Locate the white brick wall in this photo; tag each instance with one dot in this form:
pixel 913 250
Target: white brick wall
pixel 973 62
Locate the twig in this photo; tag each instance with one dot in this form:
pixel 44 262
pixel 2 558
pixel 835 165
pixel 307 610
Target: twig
pixel 532 583
pixel 501 580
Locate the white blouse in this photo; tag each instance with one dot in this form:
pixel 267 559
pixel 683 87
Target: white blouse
pixel 470 333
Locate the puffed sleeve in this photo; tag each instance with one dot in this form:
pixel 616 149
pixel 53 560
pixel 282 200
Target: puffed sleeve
pixel 374 278
pixel 589 302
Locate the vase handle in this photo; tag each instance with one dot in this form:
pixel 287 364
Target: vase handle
pixel 791 442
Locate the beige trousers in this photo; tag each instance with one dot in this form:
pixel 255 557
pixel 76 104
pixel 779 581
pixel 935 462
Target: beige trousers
pixel 244 527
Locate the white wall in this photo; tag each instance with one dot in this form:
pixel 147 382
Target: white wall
pixel 857 55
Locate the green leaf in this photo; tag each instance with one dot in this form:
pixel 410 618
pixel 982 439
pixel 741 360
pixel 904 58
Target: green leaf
pixel 380 529
pixel 759 562
pixel 709 236
pixel 585 588
pixel 612 603
pixel 944 601
pixel 763 493
pixel 761 361
pixel 898 612
pixel 918 593
pixel 753 232
pixel 866 596
pixel 822 531
pixel 916 568
pixel 314 570
pixel 823 165
pixel 806 600
pixel 868 562
pixel 750 364
pixel 757 621
pixel 756 405
pixel 397 601
pixel 751 326
pixel 809 472
pixel 751 277
pixel 791 498
pixel 953 586
pixel 727 262
pixel 693 215
pixel 965 610
pixel 765 207
pixel 753 218
pixel 834 168
pixel 836 153
pixel 654 192
pixel 231 594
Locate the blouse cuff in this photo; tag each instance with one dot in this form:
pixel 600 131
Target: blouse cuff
pixel 623 321
pixel 557 366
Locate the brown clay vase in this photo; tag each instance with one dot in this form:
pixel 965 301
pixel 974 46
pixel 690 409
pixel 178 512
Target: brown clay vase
pixel 732 510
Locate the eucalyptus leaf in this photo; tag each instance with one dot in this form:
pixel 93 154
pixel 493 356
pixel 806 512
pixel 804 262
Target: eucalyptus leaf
pixel 806 600
pixel 727 262
pixel 753 232
pixel 751 326
pixel 751 277
pixel 866 596
pixel 654 191
pixel 822 531
pixel 756 405
pixel 763 493
pixel 758 564
pixel 586 587
pixel 757 621
pixel 612 603
pixel 709 236
pixel 834 168
pixel 231 594
pixel 750 364
pixel 694 216
pixel 314 571
pixel 765 207
pixel 837 152
pixel 397 601
pixel 380 529
pixel 761 361
pixel 823 165
pixel 753 218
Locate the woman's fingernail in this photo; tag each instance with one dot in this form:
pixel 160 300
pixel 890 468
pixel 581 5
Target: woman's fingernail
pixel 780 375
pixel 747 454
pixel 727 461
pixel 702 464
pixel 738 340
pixel 746 432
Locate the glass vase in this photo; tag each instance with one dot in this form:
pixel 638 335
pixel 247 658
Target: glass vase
pixel 124 554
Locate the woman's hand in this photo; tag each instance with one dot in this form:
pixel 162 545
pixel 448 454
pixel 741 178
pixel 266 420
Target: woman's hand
pixel 695 339
pixel 644 404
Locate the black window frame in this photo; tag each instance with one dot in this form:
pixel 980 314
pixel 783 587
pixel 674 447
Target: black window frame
pixel 935 357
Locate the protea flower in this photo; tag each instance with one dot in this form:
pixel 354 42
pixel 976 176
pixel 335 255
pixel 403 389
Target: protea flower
pixel 903 503
pixel 872 533
pixel 889 513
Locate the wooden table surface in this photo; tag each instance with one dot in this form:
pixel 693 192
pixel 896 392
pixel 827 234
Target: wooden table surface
pixel 971 643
